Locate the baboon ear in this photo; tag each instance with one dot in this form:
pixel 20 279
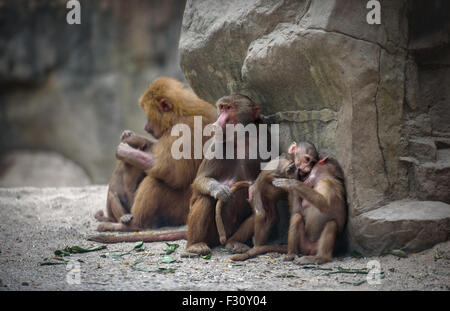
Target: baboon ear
pixel 292 148
pixel 165 105
pixel 322 160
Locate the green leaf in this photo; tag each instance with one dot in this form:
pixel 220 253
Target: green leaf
pixel 353 283
pixel 171 247
pixel 52 263
pixel 165 270
pixel 134 266
pixel 77 249
pixel 348 271
pixel 162 270
pixel 117 256
pixel 61 252
pixel 139 246
pixel 315 267
pixel 206 256
pixel 168 259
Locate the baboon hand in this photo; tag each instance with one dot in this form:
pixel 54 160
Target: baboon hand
pixel 125 134
pixel 282 183
pixel 221 192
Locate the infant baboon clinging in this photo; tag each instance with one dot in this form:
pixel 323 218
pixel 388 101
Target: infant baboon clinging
pixel 162 197
pixel 125 179
pixel 318 212
pixel 296 165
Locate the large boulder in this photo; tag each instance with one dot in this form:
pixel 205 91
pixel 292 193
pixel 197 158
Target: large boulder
pixel 407 225
pixel 326 75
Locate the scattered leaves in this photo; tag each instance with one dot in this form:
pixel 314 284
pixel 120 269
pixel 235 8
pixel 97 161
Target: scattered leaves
pixel 207 256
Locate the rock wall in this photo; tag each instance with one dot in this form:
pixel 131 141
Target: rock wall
pixel 376 97
pixel 72 89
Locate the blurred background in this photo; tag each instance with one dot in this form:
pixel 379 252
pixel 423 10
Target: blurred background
pixel 68 91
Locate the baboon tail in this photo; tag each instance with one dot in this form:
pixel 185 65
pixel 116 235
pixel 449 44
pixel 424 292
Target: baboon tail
pixel 145 237
pixel 260 250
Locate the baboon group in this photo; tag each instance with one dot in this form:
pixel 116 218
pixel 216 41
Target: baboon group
pixel 229 201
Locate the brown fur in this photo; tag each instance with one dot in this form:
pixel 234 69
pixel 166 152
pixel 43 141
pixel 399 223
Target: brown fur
pixel 124 180
pixel 162 197
pixel 318 212
pixel 212 182
pixel 264 195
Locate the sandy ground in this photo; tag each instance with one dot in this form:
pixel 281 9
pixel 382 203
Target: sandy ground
pixel 36 222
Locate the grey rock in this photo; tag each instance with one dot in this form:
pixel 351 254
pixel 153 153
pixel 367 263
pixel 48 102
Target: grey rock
pixel 431 180
pixel 411 226
pixel 376 97
pixel 423 148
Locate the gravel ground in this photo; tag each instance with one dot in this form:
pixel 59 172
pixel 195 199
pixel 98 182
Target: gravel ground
pixel 36 222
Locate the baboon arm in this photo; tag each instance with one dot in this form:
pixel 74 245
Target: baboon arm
pixel 140 142
pixel 317 198
pixel 134 157
pixel 204 185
